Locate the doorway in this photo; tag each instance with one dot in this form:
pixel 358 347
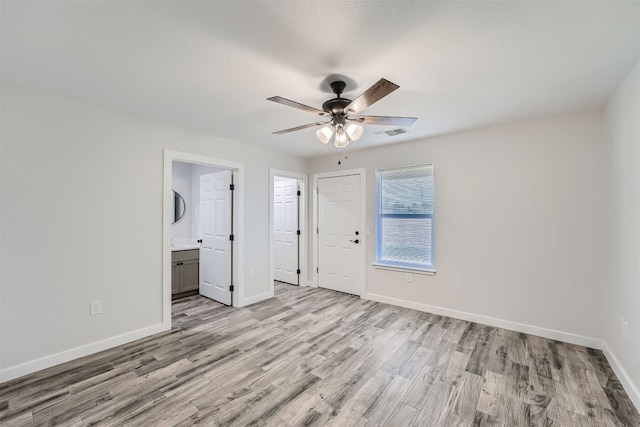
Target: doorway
pixel 287 224
pixel 213 225
pixel 340 237
pixel 286 230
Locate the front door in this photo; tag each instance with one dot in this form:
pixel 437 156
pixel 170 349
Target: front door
pixel 339 234
pixel 215 231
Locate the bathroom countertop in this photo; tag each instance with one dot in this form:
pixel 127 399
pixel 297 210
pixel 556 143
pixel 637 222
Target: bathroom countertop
pixel 185 247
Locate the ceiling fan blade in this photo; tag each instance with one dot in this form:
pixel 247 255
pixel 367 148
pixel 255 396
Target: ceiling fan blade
pixel 376 92
pixel 310 125
pixel 386 120
pixel 294 104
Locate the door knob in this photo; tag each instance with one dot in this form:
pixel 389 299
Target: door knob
pixel 355 241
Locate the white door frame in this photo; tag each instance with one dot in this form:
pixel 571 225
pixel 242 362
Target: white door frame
pixel 316 249
pixel 238 225
pixel 302 213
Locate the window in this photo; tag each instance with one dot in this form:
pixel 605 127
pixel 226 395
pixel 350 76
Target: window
pixel 404 218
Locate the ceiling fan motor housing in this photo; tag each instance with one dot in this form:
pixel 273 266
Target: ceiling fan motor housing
pixel 336 106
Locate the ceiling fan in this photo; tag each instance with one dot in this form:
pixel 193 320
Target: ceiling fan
pixel 345 121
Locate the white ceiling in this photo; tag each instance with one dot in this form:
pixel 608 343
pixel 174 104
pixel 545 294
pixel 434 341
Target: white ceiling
pixel 210 66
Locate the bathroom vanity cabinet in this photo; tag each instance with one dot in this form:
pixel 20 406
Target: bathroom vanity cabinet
pixel 185 266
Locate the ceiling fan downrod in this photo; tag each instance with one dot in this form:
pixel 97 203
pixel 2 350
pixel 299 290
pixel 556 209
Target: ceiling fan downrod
pixel 338 87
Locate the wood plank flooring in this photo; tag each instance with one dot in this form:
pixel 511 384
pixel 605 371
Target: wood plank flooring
pixel 316 357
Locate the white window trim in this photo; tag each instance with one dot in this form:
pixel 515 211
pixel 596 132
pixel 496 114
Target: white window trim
pixel 405 270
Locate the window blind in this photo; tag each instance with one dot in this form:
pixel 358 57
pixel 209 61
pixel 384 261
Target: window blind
pixel 404 217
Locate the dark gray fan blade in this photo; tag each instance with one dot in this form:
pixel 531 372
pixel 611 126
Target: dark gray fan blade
pixel 310 125
pixel 386 120
pixel 373 94
pixel 294 104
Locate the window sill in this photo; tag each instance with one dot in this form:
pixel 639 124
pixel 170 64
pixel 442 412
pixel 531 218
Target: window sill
pixel 405 270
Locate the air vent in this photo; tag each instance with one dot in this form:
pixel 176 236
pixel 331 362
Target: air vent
pixel 392 132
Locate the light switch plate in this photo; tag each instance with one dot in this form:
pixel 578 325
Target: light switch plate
pixel 95 307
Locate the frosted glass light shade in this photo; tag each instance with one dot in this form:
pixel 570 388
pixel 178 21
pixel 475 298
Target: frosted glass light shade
pixel 354 131
pixel 341 140
pixel 324 134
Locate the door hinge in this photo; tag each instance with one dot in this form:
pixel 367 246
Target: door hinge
pixel 317 230
pixel 298 232
pixel 231 237
pixel 299 193
pixel 298 271
pixel 232 187
pixel 231 288
pixel 317 270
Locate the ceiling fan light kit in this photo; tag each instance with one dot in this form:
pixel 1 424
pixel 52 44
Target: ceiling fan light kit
pixel 324 134
pixel 342 127
pixel 354 131
pixel 343 135
pixel 341 140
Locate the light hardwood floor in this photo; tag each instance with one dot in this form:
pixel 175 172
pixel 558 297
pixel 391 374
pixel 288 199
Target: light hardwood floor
pixel 316 357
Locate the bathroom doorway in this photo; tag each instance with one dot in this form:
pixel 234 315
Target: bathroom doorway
pixel 201 229
pixel 288 230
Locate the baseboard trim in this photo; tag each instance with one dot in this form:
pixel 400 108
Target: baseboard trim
pixel 254 299
pixel 631 388
pixel 30 367
pixel 491 321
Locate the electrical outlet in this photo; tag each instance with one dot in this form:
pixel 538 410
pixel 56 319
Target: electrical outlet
pixel 95 307
pixel 625 329
pixel 409 277
pixel 252 274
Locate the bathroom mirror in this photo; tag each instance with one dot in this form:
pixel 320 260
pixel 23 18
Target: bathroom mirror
pixel 178 206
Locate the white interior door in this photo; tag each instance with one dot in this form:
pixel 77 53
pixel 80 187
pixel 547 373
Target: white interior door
pixel 339 234
pixel 285 230
pixel 215 232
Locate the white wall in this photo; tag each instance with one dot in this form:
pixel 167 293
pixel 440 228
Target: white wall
pixel 621 290
pixel 518 225
pixel 67 171
pixel 182 181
